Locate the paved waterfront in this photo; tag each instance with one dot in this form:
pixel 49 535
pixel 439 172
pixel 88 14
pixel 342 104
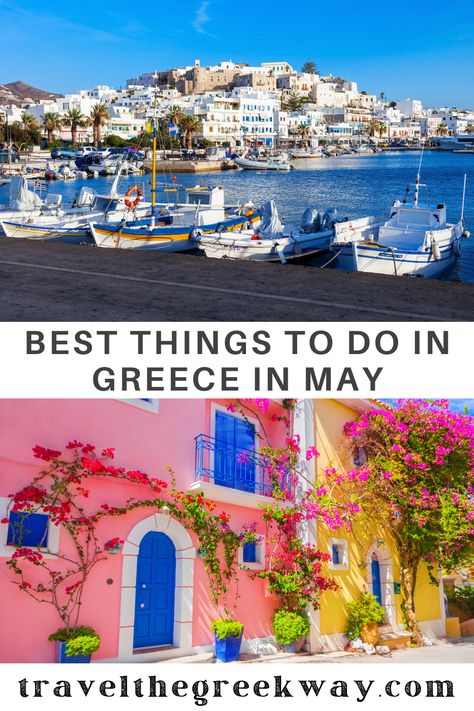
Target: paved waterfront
pixel 45 281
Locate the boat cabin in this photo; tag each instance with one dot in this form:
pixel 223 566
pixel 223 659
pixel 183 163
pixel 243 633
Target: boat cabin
pixel 417 216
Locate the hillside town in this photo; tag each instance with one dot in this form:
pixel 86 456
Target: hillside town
pixel 272 105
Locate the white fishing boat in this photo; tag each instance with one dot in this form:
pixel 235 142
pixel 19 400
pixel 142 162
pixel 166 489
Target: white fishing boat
pixel 305 153
pixel 415 240
pixel 252 162
pixel 171 228
pixel 273 241
pixel 30 217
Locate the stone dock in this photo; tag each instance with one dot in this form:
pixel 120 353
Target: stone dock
pixel 191 166
pixel 41 281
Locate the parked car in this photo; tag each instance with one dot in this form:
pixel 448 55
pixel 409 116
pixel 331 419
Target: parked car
pixel 85 150
pixel 65 153
pixel 5 158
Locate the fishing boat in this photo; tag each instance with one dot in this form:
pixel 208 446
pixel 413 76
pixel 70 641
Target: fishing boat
pixel 29 217
pixel 171 229
pixel 303 153
pixel 256 162
pixel 273 241
pixel 415 240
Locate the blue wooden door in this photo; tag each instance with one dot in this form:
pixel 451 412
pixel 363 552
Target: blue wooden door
pixel 155 589
pixel 376 582
pixel 232 467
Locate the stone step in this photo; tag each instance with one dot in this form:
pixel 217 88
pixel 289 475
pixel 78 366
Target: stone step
pixel 394 639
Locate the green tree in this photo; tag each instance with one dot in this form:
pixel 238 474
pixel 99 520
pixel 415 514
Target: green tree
pixel 294 101
pixel 189 125
pixel 99 117
pixel 51 124
pixel 470 128
pixel 442 130
pixel 75 119
pixel 303 132
pixel 374 126
pixel 309 67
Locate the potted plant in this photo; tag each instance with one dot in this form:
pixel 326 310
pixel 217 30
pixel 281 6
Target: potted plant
pixel 365 614
pixel 290 629
pixel 75 646
pixel 227 639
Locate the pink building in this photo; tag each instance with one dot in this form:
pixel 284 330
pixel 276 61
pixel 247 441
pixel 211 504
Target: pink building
pixel 135 614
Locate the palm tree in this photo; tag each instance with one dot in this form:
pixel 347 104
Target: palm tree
pixel 175 115
pixel 303 132
pixel 189 126
pixel 442 130
pixel 470 128
pixel 382 128
pixel 51 123
pixel 29 122
pixel 99 117
pixel 75 119
pixel 373 126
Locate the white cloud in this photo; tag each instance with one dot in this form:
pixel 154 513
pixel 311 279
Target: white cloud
pixel 201 18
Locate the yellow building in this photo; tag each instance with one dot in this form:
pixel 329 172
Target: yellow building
pixel 360 561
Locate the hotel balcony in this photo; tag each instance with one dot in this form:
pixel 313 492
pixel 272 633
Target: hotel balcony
pixel 232 475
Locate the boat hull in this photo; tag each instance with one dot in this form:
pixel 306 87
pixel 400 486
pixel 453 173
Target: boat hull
pixel 247 164
pixel 280 249
pixel 356 256
pixel 70 235
pixel 160 239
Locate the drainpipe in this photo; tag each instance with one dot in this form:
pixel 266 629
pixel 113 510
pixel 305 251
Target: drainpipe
pixel 304 425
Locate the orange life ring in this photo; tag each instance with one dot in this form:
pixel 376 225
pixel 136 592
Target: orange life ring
pixel 139 193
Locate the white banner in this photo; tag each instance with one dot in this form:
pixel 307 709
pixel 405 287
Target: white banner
pixel 236 686
pixel 390 360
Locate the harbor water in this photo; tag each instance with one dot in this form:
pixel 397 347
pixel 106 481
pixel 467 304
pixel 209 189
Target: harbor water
pixel 355 185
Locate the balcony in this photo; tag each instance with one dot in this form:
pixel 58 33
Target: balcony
pixel 232 475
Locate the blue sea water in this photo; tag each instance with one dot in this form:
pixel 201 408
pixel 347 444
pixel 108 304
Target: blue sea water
pixel 355 185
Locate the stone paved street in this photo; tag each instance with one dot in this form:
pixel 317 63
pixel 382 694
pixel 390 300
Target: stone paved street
pixel 443 651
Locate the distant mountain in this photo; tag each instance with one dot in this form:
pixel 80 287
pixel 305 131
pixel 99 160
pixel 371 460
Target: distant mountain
pixel 17 92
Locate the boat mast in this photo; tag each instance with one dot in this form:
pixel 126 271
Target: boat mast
pixel 153 167
pixel 417 182
pixel 463 198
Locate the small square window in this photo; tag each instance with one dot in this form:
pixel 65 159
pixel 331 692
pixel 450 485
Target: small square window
pixel 252 554
pixel 339 552
pixel 249 553
pixel 27 529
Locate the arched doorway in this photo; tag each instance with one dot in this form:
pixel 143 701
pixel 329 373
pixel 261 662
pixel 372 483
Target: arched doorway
pixel 182 617
pixel 155 591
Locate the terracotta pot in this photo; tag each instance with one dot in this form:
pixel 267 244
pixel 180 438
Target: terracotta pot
pixel 370 633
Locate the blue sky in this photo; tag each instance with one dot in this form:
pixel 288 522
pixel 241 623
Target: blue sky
pixel 417 50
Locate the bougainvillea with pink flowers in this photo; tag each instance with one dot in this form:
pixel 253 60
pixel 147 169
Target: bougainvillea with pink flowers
pixel 417 484
pixel 64 491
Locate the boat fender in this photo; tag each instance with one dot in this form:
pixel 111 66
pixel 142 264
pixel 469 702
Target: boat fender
pixel 134 190
pixel 255 236
pixel 435 249
pixel 466 234
pixel 457 247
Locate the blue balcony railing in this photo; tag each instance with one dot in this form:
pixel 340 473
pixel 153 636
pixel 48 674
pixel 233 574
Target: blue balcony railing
pixel 243 469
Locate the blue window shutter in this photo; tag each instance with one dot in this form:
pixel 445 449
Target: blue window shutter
pixel 250 553
pixel 233 435
pixel 27 529
pixel 335 554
